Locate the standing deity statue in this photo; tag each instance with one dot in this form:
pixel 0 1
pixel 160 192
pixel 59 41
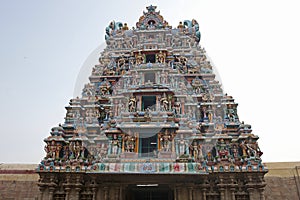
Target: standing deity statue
pixel 165 141
pixel 243 148
pixel 164 103
pixel 50 149
pixel 58 151
pixel 200 152
pixel 182 145
pixel 129 142
pixel 132 104
pixel 194 150
pixel 53 149
pixel 75 147
pixel 222 149
pixel 115 144
pixel 235 151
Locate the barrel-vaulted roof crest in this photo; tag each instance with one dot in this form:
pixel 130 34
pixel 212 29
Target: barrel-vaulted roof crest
pixel 151 18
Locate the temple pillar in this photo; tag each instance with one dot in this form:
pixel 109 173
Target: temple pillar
pixel 190 191
pixel 179 192
pixel 94 190
pixel 251 194
pixel 222 193
pixel 204 193
pixel 67 189
pixel 51 191
pixel 77 193
pixel 105 193
pixel 261 193
pixel 196 193
pixel 41 193
pixel 121 193
pixel 232 192
pixel 116 192
pixel 175 193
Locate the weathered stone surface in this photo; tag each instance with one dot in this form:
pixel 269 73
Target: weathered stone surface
pixel 18 181
pixel 282 181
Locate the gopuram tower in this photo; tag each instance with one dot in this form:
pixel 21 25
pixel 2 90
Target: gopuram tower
pixel 152 123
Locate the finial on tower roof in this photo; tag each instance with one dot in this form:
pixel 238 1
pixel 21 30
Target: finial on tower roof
pixel 151 8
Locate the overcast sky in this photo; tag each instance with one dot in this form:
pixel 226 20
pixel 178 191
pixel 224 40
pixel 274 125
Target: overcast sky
pixel 44 45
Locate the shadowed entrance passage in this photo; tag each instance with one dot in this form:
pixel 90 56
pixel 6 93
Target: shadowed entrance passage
pixel 149 192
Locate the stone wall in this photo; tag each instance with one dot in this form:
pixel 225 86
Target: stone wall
pixel 19 181
pixel 283 181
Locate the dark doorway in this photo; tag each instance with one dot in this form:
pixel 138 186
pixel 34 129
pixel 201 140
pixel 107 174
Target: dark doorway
pixel 148 102
pixel 150 58
pixel 145 192
pixel 148 145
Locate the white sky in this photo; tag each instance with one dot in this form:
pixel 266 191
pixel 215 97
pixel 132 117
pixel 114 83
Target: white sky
pixel 254 45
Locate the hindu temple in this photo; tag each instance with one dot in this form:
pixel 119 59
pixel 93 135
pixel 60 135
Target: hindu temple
pixel 152 123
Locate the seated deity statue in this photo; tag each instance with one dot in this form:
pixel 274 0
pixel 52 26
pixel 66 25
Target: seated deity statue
pixel 125 27
pixel 139 58
pixel 180 25
pixel 161 57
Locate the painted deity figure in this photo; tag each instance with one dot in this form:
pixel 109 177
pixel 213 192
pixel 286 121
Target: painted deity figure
pixel 235 151
pixel 200 152
pixel 50 149
pixel 196 83
pixel 121 64
pixel 182 147
pixel 77 149
pixel 139 58
pixel 194 150
pixel 132 104
pixel 125 27
pixel 115 145
pixel 129 143
pixel 253 149
pixel 223 151
pixel 164 103
pixel 105 87
pixel 53 149
pixel 180 26
pixel 165 140
pixel 57 150
pixel 177 107
pixel 210 114
pixel 243 148
pixel 161 57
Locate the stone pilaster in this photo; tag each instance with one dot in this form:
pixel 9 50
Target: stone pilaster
pixel 190 191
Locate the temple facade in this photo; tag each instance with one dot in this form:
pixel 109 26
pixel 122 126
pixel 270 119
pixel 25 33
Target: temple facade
pixel 152 123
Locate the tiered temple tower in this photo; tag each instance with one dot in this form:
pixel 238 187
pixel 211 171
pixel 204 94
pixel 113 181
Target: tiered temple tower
pixel 152 123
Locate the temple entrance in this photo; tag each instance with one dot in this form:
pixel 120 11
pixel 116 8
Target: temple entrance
pixel 149 102
pixel 149 192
